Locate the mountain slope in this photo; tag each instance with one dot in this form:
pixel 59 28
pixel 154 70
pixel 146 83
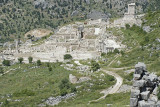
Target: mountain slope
pixel 20 16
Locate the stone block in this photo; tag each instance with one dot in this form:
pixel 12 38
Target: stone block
pixel 135 93
pixel 133 102
pixel 158 104
pixel 138 70
pixel 145 95
pixel 153 98
pixel 137 76
pixel 149 88
pixel 139 83
pixel 155 91
pixel 140 67
pixel 146 104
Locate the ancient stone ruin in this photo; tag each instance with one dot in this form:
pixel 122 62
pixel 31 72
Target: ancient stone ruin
pixel 145 88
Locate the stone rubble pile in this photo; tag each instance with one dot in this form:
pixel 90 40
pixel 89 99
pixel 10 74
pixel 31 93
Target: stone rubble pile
pixel 56 100
pixel 145 88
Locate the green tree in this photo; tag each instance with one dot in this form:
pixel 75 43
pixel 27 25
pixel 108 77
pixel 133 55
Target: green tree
pixel 67 56
pixel 38 62
pixel 20 60
pixel 30 59
pixel 94 65
pixel 6 62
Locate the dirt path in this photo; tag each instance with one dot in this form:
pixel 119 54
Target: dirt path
pixel 112 89
pixel 7 72
pixel 113 60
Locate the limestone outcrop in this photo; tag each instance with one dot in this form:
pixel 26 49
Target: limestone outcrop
pixel 145 88
pixel 73 79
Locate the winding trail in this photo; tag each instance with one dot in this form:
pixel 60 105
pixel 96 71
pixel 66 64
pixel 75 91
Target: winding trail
pixel 7 72
pixel 112 89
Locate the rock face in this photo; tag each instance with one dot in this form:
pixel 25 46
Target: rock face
pixel 145 88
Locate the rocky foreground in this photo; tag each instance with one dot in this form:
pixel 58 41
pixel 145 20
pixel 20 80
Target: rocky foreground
pixel 145 88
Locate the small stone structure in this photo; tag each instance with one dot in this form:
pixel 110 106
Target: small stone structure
pixel 129 18
pixel 145 88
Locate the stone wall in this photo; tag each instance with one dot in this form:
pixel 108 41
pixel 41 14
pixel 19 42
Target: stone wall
pixel 145 88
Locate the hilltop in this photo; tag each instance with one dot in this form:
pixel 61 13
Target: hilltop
pixel 17 17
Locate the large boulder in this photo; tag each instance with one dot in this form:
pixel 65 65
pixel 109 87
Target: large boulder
pixel 72 79
pixel 139 83
pixel 135 93
pixel 133 102
pixel 140 68
pixel 155 91
pixel 145 95
pixel 158 104
pixel 146 104
pixel 153 98
pixel 137 76
pixel 82 79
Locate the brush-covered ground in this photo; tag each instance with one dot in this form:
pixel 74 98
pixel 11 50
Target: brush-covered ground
pixel 30 84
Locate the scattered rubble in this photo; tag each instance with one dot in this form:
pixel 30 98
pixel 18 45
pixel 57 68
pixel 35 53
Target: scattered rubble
pixel 145 88
pixel 56 100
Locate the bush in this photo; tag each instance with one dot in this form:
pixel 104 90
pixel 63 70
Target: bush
pixel 6 62
pixel 64 84
pixel 63 92
pixel 38 62
pixel 1 70
pixel 20 60
pixel 127 26
pixel 73 89
pixel 30 59
pixel 111 78
pixel 24 92
pixel 116 51
pixel 94 66
pixel 67 56
pixel 50 68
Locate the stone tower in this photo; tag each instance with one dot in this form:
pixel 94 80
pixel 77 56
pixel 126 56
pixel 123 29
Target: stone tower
pixel 131 9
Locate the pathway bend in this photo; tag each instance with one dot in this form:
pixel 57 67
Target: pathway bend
pixel 112 89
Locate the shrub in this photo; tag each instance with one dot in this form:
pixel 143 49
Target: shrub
pixel 127 26
pixel 64 84
pixel 1 70
pixel 30 59
pixel 6 62
pixel 24 92
pixel 38 62
pixel 94 66
pixel 63 92
pixel 116 51
pixel 73 89
pixel 20 60
pixel 50 68
pixel 67 56
pixel 111 78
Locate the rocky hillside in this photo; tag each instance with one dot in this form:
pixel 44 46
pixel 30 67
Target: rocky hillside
pixel 18 17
